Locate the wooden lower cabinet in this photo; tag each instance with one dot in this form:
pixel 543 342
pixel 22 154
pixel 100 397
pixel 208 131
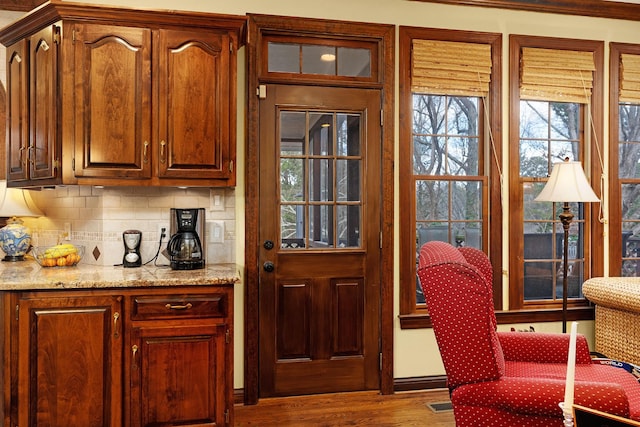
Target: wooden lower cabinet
pixel 158 357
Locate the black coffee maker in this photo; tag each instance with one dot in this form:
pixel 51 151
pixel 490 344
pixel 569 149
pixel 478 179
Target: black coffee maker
pixel 184 246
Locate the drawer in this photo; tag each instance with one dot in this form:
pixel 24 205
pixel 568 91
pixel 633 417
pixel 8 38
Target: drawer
pixel 179 306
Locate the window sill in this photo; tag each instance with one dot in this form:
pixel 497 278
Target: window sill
pixel 423 320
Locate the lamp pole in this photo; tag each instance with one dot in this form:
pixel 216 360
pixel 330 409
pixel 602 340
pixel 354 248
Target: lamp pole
pixel 565 217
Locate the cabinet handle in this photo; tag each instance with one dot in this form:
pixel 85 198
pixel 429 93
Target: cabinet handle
pixel 145 158
pixel 162 146
pixel 187 306
pixel 116 332
pixel 134 351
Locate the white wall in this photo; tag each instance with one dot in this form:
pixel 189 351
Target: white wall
pixel 415 352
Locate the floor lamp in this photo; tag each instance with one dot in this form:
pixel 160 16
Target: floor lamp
pixel 567 184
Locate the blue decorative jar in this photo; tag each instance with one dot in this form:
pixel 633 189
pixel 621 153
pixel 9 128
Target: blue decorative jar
pixel 15 240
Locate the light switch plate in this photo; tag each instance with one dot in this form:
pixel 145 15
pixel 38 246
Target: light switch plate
pixel 216 232
pixel 216 199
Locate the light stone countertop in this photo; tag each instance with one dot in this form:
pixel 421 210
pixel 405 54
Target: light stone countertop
pixel 28 275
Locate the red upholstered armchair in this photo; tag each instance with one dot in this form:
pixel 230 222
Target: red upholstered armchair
pixel 507 378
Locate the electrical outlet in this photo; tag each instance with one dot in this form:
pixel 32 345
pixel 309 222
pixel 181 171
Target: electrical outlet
pixel 164 227
pixel 67 231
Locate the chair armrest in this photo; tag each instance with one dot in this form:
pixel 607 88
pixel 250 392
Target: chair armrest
pixel 540 396
pixel 542 347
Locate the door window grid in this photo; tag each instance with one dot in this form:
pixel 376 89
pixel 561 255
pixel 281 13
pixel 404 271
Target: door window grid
pixel 320 176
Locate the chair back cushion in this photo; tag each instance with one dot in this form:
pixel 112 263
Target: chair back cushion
pixel 460 304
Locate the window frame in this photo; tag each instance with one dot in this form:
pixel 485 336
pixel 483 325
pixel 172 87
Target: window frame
pixel 593 253
pixel 412 316
pixel 615 183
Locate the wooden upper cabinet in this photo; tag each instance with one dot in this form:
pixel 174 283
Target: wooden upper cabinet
pixel 122 97
pixel 17 109
pixel 33 149
pixel 193 97
pixel 113 95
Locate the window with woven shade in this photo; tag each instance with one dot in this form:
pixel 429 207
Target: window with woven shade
pixel 449 85
pixel 552 102
pixel 624 176
pixel 556 75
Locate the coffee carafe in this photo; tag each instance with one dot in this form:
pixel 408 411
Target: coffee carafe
pixel 132 240
pixel 184 246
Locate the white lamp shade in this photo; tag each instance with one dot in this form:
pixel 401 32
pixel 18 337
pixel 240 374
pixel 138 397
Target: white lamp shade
pixel 567 183
pixel 17 202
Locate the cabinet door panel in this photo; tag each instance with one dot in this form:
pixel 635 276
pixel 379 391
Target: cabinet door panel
pixel 178 375
pixel 44 103
pixel 69 362
pixel 194 104
pixel 113 96
pixel 17 123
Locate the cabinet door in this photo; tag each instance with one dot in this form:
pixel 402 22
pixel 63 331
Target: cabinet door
pixel 194 75
pixel 44 103
pixel 112 101
pixel 177 375
pixel 18 114
pixel 69 362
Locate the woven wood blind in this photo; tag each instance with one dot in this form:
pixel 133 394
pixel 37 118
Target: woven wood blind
pixel 629 78
pixel 450 68
pixel 556 75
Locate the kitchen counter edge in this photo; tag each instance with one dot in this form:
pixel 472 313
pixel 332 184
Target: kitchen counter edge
pixel 28 275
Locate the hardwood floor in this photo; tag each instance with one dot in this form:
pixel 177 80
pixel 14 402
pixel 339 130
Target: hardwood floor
pixel 347 409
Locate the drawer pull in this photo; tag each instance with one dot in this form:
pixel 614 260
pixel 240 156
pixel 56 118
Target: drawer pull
pixel 187 306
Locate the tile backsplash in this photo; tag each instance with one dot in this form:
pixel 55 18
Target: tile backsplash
pixel 96 218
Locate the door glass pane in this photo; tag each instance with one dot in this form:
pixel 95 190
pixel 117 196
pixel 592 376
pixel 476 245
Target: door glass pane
pixel 320 188
pixel 321 134
pixel 321 226
pixel 354 62
pixel 291 180
pixel 348 180
pixel 320 180
pixel 348 223
pixel 292 132
pixel 284 57
pixel 348 134
pixel 317 59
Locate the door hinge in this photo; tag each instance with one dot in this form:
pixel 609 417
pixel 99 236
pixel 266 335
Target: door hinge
pixel 227 337
pixel 226 416
pixel 380 357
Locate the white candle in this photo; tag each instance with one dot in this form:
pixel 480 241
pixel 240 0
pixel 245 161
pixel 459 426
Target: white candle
pixel 571 370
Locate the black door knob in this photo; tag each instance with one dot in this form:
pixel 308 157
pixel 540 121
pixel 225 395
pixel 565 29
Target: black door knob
pixel 268 266
pixel 268 244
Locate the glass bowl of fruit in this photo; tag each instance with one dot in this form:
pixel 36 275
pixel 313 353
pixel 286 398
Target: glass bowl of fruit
pixel 63 255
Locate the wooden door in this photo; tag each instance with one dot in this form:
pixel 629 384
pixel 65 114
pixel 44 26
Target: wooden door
pixel 320 235
pixel 112 101
pixel 178 375
pixel 195 109
pixel 69 361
